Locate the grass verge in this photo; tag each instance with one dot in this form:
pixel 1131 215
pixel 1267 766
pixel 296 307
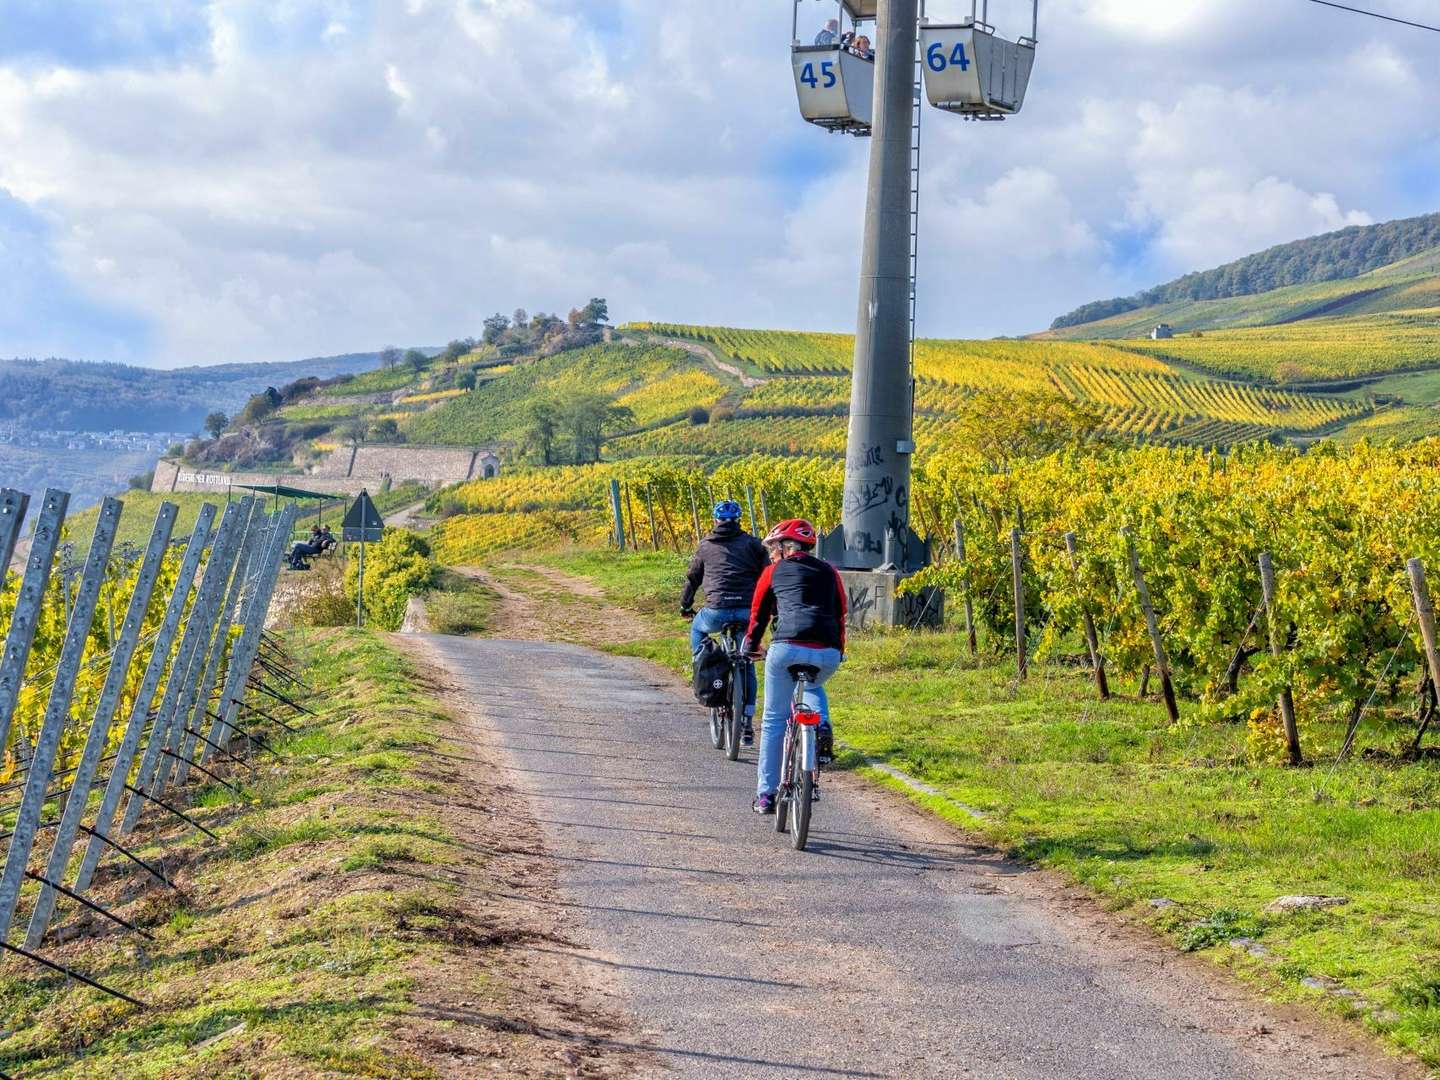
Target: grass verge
pixel 460 605
pixel 298 945
pixel 1140 810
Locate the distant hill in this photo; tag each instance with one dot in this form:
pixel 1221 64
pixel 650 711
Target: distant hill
pixel 1388 258
pixel 80 396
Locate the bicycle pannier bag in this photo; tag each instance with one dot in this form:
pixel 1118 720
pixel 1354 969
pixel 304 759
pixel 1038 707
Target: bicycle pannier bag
pixel 712 674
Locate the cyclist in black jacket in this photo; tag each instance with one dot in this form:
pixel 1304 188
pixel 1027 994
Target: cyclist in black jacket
pixel 727 565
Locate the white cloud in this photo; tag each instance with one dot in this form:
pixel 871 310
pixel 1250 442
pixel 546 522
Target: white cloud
pixel 332 175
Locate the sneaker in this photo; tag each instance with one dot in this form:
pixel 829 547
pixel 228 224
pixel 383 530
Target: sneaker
pixel 763 804
pixel 815 791
pixel 747 737
pixel 825 744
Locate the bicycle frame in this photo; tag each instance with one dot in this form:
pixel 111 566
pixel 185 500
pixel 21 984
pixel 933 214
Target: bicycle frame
pixel 802 729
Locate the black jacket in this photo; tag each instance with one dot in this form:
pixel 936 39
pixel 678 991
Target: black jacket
pixel 806 598
pixel 728 563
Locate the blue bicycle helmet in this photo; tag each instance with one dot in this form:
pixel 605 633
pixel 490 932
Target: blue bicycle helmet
pixel 727 510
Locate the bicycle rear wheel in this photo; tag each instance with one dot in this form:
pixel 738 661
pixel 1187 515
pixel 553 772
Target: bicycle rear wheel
pixel 802 788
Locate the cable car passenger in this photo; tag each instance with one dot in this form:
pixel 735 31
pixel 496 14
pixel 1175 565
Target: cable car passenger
pixel 861 48
pixel 827 36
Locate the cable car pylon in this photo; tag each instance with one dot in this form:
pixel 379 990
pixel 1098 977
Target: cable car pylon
pixel 963 67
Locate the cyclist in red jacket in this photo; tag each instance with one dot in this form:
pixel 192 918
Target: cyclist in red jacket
pixel 806 598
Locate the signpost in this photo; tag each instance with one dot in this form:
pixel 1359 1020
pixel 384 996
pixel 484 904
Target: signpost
pixel 362 525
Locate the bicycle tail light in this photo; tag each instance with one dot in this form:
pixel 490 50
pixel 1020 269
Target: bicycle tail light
pixel 807 718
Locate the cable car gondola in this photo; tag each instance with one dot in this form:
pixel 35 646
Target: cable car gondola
pixel 971 70
pixel 834 80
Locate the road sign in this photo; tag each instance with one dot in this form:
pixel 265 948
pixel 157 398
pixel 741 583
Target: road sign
pixel 363 523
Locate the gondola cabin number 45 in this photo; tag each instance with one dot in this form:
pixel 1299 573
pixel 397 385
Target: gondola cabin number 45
pixel 824 78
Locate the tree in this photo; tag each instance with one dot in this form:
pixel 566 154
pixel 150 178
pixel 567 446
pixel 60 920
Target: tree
pixel 542 418
pixel 594 313
pixel 495 327
pixel 353 431
pixel 142 481
pixel 416 360
pixel 389 356
pixel 466 380
pixel 457 349
pixel 520 320
pixel 588 418
pixel 386 430
pixel 216 423
pixel 1002 425
pixel 260 406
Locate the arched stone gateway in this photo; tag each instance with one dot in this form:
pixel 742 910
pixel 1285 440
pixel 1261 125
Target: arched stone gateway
pixel 487 466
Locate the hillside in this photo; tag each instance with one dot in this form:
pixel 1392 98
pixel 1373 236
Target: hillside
pixel 1409 246
pixel 666 390
pixel 78 396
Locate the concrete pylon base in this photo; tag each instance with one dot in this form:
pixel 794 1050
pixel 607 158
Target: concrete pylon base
pixel 874 601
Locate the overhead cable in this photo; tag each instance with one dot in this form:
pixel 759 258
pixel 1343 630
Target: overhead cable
pixel 1377 15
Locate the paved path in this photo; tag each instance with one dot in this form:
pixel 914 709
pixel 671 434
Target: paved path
pixel 892 948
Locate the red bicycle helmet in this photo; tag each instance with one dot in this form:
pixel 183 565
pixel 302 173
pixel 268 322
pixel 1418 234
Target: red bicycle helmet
pixel 797 529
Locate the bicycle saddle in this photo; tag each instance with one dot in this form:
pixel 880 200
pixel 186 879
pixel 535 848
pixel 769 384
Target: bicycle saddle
pixel 804 671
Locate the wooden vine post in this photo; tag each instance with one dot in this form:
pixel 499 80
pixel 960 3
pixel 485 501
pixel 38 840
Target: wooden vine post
pixel 630 506
pixel 694 513
pixel 1152 624
pixel 669 525
pixel 1277 648
pixel 764 513
pixel 750 505
pixel 650 513
pixel 619 513
pixel 965 586
pixel 1092 639
pixel 1425 612
pixel 1017 566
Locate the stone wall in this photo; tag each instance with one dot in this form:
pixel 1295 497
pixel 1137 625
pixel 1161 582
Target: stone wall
pixel 348 470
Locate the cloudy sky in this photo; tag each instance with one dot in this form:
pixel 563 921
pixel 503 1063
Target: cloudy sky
pixel 185 181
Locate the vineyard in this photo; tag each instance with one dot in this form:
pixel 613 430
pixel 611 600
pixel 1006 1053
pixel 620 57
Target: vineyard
pixel 658 380
pixel 1340 525
pixel 1314 350
pixel 1138 396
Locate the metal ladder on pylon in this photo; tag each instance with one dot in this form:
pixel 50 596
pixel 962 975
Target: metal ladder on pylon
pixel 917 111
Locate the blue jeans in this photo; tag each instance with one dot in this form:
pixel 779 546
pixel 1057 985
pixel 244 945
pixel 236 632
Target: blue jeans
pixel 779 689
pixel 712 621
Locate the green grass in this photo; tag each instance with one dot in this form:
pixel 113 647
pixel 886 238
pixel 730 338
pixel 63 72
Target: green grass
pixel 460 605
pixel 297 927
pixel 1138 809
pixel 374 382
pixel 137 519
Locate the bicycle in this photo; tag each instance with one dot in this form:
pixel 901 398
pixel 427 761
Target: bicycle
pixel 727 722
pixel 800 761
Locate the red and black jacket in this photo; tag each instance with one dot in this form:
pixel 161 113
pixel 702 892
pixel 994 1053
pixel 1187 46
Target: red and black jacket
pixel 806 598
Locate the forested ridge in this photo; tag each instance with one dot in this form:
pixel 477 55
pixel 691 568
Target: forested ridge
pixel 86 396
pixel 1346 253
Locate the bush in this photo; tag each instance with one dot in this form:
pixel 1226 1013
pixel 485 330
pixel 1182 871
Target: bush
pixel 699 415
pixel 396 568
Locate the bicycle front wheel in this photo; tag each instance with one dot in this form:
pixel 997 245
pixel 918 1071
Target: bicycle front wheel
pixel 737 715
pixel 782 797
pixel 802 788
